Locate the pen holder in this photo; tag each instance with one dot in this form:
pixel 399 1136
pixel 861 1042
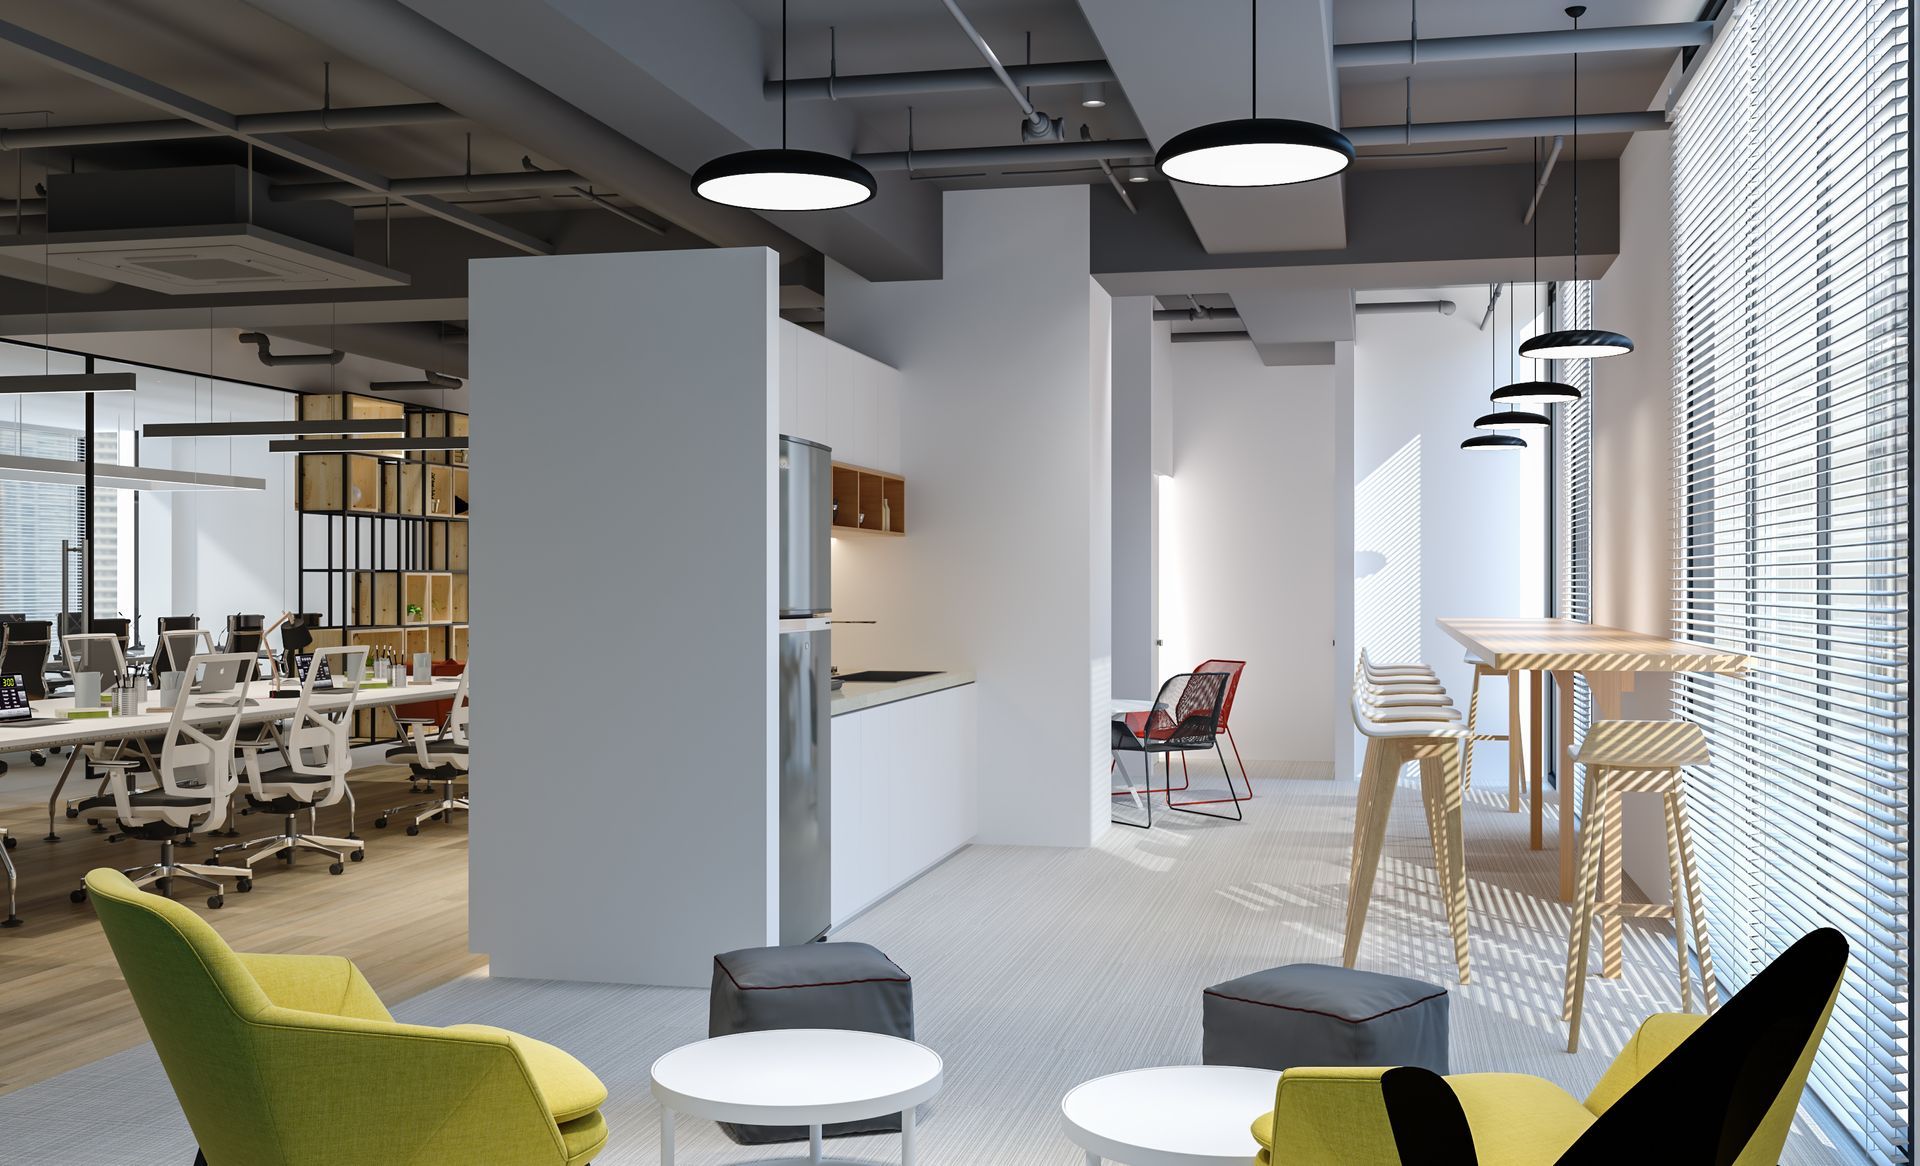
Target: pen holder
pixel 170 685
pixel 398 674
pixel 126 700
pixel 382 670
pixel 423 668
pixel 86 690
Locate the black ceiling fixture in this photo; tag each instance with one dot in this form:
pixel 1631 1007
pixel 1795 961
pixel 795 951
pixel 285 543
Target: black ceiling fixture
pixel 784 179
pixel 1254 150
pixel 1511 418
pixel 1576 343
pixel 1497 420
pixel 1535 392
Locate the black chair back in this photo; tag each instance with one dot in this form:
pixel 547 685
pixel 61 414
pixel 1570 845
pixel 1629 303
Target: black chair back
pixel 1702 1104
pixel 163 660
pixel 245 633
pixel 1186 714
pixel 25 645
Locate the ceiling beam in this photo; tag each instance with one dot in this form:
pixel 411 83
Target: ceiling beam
pixel 1552 42
pixel 914 84
pixel 172 101
pixel 172 130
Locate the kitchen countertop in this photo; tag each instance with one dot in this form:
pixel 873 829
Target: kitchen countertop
pixel 855 696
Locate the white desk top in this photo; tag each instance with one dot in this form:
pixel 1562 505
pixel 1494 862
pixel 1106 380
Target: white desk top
pixel 1181 1115
pixel 92 729
pixel 796 1076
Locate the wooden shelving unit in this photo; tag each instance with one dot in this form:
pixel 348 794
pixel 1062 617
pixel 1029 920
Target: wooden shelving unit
pixel 384 537
pixel 868 501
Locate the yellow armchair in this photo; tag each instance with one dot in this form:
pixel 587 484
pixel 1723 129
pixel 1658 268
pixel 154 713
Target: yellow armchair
pixel 1719 1091
pixel 282 1060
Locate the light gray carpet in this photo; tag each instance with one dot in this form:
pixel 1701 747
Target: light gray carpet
pixel 1034 970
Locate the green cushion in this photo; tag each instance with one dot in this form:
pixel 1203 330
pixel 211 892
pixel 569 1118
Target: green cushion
pixel 569 1087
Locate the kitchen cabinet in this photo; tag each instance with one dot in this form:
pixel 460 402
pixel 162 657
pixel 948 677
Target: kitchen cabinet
pixel 841 398
pixel 904 780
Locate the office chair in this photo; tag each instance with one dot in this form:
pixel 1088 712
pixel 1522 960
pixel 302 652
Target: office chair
pixel 177 806
pixel 118 626
pixel 442 759
pixel 25 645
pixel 318 749
pixel 245 633
pixel 163 661
pixel 100 652
pixel 181 644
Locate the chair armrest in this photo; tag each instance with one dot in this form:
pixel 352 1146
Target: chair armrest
pixel 1328 1117
pixel 324 984
pixel 1657 1036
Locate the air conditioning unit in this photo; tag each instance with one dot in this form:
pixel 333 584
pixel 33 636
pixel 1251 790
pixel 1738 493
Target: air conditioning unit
pixel 196 230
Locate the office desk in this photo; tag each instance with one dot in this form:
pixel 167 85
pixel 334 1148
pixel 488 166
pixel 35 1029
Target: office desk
pixel 97 730
pixel 1609 658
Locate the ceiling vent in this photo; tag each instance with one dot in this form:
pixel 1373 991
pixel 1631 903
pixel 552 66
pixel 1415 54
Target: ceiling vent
pixel 202 230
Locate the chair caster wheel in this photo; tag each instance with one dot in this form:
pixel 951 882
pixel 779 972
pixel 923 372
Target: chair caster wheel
pixel 358 855
pixel 379 823
pixel 38 758
pixel 243 885
pixel 286 856
pixel 79 896
pixel 163 887
pixel 72 813
pixel 337 868
pixel 12 842
pixel 413 830
pixel 214 902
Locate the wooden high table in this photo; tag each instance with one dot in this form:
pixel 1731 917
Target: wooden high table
pixel 1609 658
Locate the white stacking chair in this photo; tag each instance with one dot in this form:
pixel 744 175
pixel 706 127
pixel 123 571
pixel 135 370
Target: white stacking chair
pixel 318 749
pixel 195 772
pixel 1431 735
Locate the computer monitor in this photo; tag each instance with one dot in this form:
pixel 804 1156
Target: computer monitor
pixel 303 663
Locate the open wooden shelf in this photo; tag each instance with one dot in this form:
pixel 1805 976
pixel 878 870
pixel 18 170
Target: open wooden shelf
pixel 867 501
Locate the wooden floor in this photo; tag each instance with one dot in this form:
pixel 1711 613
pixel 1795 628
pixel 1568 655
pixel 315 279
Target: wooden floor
pixel 401 915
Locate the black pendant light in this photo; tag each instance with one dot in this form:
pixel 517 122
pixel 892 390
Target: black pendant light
pixel 1535 392
pixel 1486 441
pixel 783 179
pixel 1511 418
pixel 1254 150
pixel 1576 343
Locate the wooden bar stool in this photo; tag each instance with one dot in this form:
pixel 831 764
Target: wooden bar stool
pixel 1623 757
pixel 1395 736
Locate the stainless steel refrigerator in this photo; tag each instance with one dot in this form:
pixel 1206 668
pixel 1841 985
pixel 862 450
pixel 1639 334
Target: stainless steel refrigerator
pixel 806 842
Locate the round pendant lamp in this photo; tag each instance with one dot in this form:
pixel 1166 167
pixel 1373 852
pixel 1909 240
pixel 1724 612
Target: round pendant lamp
pixel 1576 343
pixel 783 179
pixel 1511 418
pixel 1535 392
pixel 1493 441
pixel 1254 150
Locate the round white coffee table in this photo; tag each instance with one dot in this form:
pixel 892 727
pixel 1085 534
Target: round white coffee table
pixel 796 1077
pixel 1185 1115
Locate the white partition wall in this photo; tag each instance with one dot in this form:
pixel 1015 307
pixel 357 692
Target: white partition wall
pixel 1004 437
pixel 625 673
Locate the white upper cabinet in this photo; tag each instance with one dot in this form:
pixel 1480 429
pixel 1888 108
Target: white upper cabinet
pixel 831 394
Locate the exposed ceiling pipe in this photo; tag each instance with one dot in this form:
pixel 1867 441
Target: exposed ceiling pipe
pixel 1540 190
pixel 1499 129
pixel 990 156
pixel 1210 337
pixel 1196 312
pixel 1554 42
pixel 442 184
pixel 264 343
pixel 431 380
pixel 587 193
pixel 1493 297
pixel 297 121
pixel 127 84
pixel 1038 125
pixel 1404 307
pixel 1086 135
pixel 837 88
pixel 396 40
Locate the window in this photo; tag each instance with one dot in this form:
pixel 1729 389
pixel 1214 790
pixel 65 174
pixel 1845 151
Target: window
pixel 1792 345
pixel 1573 489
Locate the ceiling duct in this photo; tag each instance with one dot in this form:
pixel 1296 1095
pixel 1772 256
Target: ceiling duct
pixel 264 343
pixel 430 380
pixel 193 231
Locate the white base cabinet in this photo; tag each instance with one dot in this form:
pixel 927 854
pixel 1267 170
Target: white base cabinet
pixel 904 784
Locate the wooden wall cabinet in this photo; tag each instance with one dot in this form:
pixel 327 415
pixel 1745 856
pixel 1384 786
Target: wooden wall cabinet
pixel 868 501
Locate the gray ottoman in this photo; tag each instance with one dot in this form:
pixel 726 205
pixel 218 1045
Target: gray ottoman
pixel 1316 1014
pixel 811 985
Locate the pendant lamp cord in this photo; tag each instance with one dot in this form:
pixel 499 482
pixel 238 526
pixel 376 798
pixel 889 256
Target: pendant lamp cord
pixel 1575 12
pixel 1536 248
pixel 1253 55
pixel 783 74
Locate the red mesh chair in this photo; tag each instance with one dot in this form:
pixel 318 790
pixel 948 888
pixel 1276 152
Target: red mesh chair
pixel 1136 723
pixel 1185 717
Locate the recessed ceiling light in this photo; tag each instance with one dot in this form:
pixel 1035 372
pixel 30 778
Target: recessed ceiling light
pixel 1093 96
pixel 1136 178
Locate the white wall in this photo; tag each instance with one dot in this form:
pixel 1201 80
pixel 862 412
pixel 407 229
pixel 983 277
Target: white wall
pixel 1439 531
pixel 1247 539
pixel 1632 456
pixel 626 468
pixel 1003 432
pixel 1135 509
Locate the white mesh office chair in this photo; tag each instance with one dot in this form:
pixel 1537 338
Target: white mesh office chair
pixel 102 653
pixel 318 750
pixel 196 777
pixel 437 752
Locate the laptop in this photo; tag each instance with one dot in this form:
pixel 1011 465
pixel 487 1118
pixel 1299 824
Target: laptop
pixel 221 676
pixel 16 710
pixel 302 662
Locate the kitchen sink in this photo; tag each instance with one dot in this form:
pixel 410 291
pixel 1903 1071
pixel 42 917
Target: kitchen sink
pixel 883 677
